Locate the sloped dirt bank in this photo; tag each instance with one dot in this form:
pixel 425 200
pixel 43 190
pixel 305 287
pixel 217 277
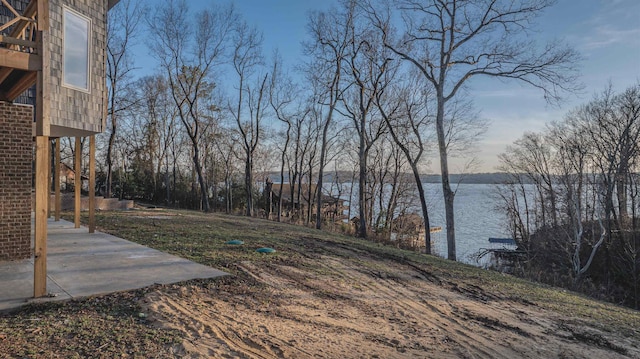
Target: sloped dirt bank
pixel 338 302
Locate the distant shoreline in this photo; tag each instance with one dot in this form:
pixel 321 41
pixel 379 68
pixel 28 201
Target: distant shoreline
pixel 468 178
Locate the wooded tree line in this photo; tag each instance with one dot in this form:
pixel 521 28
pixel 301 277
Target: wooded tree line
pixel 579 220
pixel 206 129
pixel 382 90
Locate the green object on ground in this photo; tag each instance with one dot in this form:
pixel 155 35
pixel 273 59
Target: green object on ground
pixel 265 250
pixel 235 242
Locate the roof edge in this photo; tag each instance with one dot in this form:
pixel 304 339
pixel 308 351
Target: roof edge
pixel 112 3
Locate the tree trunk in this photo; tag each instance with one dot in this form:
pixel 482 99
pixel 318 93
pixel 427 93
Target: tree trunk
pixel 310 195
pixel 248 185
pixel 362 163
pixel 319 191
pixel 323 151
pixel 423 205
pixel 227 187
pixel 446 186
pixel 362 183
pixel 621 191
pixel 175 179
pixel 203 188
pixel 268 189
pixel 167 184
pixel 283 159
pixel 299 211
pixel 112 138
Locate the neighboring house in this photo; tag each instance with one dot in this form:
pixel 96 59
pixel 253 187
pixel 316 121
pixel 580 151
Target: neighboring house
pixel 68 178
pixel 333 208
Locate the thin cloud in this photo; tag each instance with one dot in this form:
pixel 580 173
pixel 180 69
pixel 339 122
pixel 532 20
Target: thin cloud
pixel 615 22
pixel 606 35
pixel 506 93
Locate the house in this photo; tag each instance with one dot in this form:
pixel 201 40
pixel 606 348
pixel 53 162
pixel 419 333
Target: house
pixel 52 85
pixel 68 178
pixel 333 208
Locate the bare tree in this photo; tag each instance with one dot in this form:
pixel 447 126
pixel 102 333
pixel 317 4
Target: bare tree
pixel 454 41
pixel 628 113
pixel 532 157
pixel 613 128
pixel 329 43
pixel 247 56
pixel 282 93
pixel 304 139
pixel 251 133
pixel 405 112
pixel 316 130
pixel 228 147
pixel 572 156
pixel 368 72
pixel 387 186
pixel 122 27
pixel 580 167
pixel 188 51
pixel 155 116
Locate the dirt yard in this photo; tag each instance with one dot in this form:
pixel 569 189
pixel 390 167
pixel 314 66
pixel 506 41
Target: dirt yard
pixel 341 302
pixel 327 296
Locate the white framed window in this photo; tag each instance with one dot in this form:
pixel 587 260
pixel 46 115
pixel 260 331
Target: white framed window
pixel 76 52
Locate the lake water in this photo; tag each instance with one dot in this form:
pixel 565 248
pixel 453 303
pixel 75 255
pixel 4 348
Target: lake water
pixel 476 219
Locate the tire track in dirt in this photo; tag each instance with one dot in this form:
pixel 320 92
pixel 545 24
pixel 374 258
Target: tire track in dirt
pixel 441 322
pixel 204 325
pixel 292 275
pixel 212 333
pixel 339 303
pixel 406 299
pixel 477 306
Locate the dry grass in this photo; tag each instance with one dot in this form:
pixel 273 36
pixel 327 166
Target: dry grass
pixel 115 325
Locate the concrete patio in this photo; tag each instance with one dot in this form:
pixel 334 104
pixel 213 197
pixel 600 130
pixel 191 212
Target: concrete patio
pixel 80 264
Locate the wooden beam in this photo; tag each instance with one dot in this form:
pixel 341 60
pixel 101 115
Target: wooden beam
pixel 10 7
pixel 77 181
pixel 42 9
pixel 34 8
pixel 26 81
pixel 25 19
pixel 8 24
pixel 4 73
pixel 56 179
pixel 16 41
pixel 40 230
pixel 20 60
pixel 92 184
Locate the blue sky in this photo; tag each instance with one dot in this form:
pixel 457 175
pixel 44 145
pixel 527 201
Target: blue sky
pixel 605 32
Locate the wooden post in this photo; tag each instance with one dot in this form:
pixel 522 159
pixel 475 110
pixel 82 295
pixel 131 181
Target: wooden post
pixel 40 231
pixel 42 158
pixel 56 177
pixel 49 179
pixel 77 181
pixel 43 15
pixel 92 184
pixel 43 93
